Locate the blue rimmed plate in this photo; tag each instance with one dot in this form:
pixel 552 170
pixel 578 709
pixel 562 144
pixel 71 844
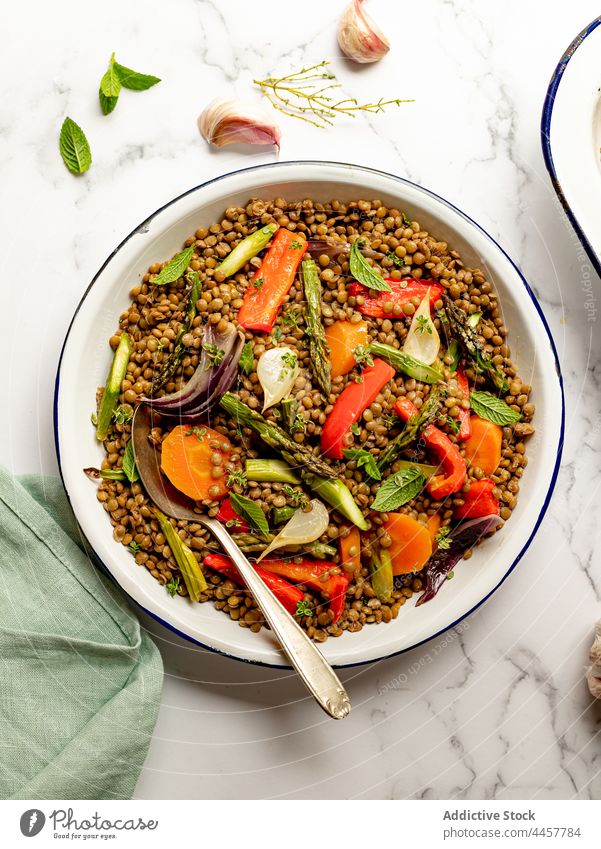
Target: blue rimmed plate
pixel 571 136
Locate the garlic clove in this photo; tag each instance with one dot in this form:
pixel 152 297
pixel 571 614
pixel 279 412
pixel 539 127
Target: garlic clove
pixel 277 370
pixel 225 122
pixel 593 673
pixel 359 37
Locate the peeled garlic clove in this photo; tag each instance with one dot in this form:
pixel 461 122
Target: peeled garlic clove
pixel 277 370
pixel 225 122
pixel 423 341
pixel 359 37
pixel 302 527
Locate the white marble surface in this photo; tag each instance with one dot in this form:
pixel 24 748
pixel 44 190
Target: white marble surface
pixel 498 711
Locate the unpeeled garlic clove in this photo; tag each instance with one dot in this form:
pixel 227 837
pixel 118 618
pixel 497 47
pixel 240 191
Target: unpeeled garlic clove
pixel 225 122
pixel 359 37
pixel 593 673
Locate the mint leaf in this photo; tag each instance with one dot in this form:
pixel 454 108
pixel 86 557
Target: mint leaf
pixel 74 147
pixel 398 489
pixel 364 459
pixel 175 268
pixel 107 104
pixel 489 407
pixel 129 463
pixel 133 80
pixel 363 272
pixel 250 511
pixel 246 358
pixel 110 84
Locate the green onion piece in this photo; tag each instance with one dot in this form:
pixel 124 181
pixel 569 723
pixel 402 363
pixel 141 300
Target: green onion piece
pixel 246 249
pixel 338 495
pixel 405 363
pixel 474 319
pixel 184 557
pixel 112 389
pixel 105 474
pixel 282 514
pixel 382 579
pixel 264 471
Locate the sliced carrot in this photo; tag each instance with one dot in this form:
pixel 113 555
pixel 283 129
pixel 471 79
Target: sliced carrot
pixel 343 337
pixel 350 550
pixel 187 458
pixel 433 525
pixel 483 448
pixel 411 543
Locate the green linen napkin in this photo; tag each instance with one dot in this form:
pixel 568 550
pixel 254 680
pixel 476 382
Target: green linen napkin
pixel 80 682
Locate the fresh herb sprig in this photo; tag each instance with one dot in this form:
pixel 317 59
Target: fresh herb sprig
pixel 362 271
pixel 364 459
pixel 362 356
pixel 398 489
pixel 175 268
pixel 118 76
pixel 251 511
pixel 74 147
pixel 307 95
pixel 488 406
pixel 303 608
pixel 246 360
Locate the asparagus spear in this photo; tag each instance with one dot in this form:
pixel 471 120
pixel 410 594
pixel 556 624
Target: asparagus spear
pixel 412 429
pixel 318 346
pixel 175 357
pixel 471 344
pixel 112 389
pixel 333 491
pixel 405 363
pixel 249 544
pixel 246 249
pixel 293 452
pixel 289 408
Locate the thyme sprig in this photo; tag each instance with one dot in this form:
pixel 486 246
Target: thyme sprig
pixel 307 94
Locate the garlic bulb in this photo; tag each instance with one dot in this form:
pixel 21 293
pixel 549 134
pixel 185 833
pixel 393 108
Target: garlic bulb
pixel 225 122
pixel 359 37
pixel 277 370
pixel 423 341
pixel 593 673
pixel 302 527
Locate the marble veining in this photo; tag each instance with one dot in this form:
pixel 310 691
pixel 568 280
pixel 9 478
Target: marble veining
pixel 497 709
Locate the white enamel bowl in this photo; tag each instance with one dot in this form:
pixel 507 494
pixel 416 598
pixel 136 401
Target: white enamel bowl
pixel 86 356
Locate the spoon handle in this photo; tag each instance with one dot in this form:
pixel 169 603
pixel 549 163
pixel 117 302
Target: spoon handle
pixel 314 670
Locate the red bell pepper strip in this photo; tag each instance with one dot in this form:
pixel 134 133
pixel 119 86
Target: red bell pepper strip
pixel 402 291
pixel 350 404
pixel 479 501
pixel 313 574
pixel 229 517
pixel 288 595
pixel 465 423
pixel 272 281
pixel 445 451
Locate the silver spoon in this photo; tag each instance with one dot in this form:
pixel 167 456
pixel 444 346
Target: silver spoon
pixel 314 670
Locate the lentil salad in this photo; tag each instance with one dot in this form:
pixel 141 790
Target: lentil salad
pixel 369 588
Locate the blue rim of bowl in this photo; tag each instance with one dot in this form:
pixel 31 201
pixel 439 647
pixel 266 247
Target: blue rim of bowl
pixel 545 132
pixel 449 205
